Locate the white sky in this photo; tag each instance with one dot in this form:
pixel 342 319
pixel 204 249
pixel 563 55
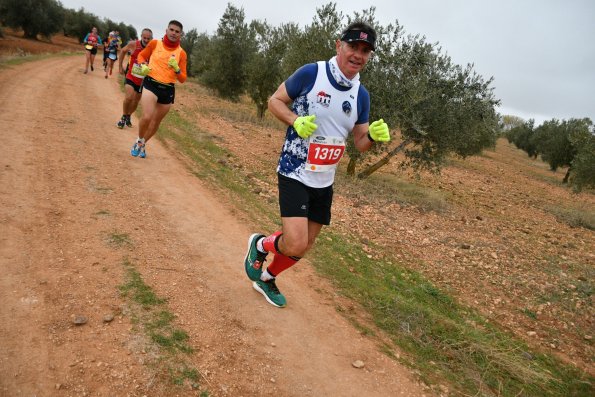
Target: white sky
pixel 541 53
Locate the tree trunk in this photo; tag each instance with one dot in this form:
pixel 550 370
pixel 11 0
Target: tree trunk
pixel 565 180
pixel 351 166
pixel 261 109
pixel 383 161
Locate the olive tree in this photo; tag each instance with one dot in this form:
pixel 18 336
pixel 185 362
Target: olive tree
pixel 231 47
pixel 440 108
pixel 35 17
pixel 554 141
pixel 263 68
pixel 583 163
pixel 522 136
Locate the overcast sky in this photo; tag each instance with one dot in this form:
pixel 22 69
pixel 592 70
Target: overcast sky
pixel 541 53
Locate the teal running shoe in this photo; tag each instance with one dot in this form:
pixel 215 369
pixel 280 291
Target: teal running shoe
pixel 271 292
pixel 135 151
pixel 254 259
pixel 141 152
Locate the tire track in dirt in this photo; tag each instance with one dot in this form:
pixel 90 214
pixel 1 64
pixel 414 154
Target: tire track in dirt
pixel 67 182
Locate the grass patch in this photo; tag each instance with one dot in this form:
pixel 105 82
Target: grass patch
pixel 474 356
pixel 157 323
pixel 119 240
pixel 574 217
pixel 19 59
pixel 529 313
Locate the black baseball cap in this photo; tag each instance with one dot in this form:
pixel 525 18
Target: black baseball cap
pixel 352 35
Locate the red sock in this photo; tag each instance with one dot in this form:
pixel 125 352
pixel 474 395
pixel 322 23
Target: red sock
pixel 270 243
pixel 280 263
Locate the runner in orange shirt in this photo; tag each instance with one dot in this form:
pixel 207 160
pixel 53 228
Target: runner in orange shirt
pixel 166 65
pixel 133 86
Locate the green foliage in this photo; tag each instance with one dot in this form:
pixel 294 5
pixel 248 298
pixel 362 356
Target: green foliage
pixel 553 144
pixel 583 163
pixel 202 54
pixel 188 42
pixel 566 143
pixel 316 42
pixel 440 107
pixel 508 122
pixel 263 68
pixel 79 23
pixel 35 17
pixel 229 52
pixel 522 137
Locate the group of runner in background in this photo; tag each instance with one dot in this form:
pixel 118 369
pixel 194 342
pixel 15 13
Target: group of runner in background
pixel 153 68
pixel 111 44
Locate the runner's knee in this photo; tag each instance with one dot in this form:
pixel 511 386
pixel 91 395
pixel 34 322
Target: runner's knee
pixel 294 246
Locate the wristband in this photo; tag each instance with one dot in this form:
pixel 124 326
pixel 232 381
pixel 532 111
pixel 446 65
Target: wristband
pixel 370 138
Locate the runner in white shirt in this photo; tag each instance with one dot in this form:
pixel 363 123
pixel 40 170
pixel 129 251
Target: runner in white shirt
pixel 328 103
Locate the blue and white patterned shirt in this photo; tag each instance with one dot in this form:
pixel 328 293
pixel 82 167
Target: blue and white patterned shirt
pixel 338 109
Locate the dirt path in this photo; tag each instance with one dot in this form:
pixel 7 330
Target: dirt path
pixel 68 182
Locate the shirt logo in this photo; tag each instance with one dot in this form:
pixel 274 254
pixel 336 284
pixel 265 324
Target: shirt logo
pixel 323 98
pixel 346 108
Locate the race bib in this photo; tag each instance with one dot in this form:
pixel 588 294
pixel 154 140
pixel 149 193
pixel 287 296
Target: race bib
pixel 136 71
pixel 88 46
pixel 324 153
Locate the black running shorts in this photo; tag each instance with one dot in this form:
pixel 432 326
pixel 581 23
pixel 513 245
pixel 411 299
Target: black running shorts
pixel 299 200
pixel 165 93
pixel 137 88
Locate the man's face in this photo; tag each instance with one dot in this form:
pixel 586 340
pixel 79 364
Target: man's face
pixel 94 30
pixel 352 57
pixel 145 37
pixel 173 33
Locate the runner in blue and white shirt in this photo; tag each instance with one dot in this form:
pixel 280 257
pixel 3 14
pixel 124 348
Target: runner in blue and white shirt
pixel 328 103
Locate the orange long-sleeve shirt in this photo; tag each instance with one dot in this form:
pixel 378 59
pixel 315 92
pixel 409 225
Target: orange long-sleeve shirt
pixel 158 55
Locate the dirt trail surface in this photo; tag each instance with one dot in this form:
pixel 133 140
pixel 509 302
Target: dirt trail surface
pixel 68 183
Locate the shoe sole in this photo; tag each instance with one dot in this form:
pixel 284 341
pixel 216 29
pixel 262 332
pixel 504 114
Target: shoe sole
pixel 254 235
pixel 257 288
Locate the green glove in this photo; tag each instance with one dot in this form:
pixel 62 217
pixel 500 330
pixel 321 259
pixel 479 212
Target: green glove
pixel 137 70
pixel 379 131
pixel 304 126
pixel 172 63
pixel 144 70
